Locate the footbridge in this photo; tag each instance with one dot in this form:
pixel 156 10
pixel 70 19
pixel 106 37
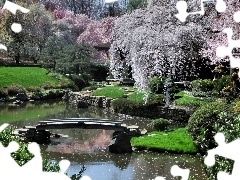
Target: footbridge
pixel 84 123
pixel 119 144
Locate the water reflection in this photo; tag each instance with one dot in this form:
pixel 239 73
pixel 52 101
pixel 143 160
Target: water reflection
pixel 89 147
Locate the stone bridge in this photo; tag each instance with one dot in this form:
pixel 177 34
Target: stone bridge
pixel 120 141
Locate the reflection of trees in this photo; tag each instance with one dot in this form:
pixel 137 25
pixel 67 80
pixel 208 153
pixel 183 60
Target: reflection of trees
pixel 82 140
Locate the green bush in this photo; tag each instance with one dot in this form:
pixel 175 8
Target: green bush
pixel 128 104
pixel 201 124
pixel 206 122
pixel 221 83
pixel 156 84
pixel 160 124
pixel 123 104
pixel 202 85
pixel 15 89
pixel 79 81
pixel 3 93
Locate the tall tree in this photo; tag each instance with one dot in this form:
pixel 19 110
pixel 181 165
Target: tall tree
pixel 155 42
pixel 98 33
pixel 36 28
pixel 216 23
pixel 52 52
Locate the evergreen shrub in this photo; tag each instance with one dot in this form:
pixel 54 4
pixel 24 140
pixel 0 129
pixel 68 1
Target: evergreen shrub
pixel 202 85
pixel 156 84
pixel 221 83
pixel 160 124
pixel 210 119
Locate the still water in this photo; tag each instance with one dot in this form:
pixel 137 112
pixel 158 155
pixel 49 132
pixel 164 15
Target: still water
pixel 89 147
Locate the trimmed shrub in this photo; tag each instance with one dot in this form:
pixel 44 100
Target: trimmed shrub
pixel 156 84
pixel 160 124
pixel 15 89
pixel 204 85
pixel 201 124
pixel 123 104
pixel 129 106
pixel 79 81
pixel 206 122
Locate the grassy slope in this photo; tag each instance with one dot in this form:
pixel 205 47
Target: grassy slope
pixel 177 141
pixel 25 76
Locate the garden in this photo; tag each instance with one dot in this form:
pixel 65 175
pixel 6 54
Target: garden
pixel 174 66
pixel 215 108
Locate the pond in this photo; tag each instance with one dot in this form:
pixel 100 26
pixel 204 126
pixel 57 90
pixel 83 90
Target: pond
pixel 88 147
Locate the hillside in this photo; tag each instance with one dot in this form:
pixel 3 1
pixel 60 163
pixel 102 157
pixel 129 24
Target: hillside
pixel 25 76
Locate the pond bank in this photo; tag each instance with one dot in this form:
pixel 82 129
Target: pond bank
pixel 33 96
pixel 79 100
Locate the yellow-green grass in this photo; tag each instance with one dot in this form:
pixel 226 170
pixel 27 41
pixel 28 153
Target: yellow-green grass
pixel 24 76
pixel 176 141
pixel 109 91
pixel 30 112
pixel 191 101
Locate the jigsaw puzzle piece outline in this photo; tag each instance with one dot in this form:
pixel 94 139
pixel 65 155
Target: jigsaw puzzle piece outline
pixel 227 150
pixel 182 14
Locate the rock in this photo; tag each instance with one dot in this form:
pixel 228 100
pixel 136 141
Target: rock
pixel 12 99
pixel 82 104
pixel 17 102
pixel 120 144
pixel 35 97
pixel 22 97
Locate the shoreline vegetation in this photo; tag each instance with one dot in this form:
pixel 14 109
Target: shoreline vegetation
pixel 33 83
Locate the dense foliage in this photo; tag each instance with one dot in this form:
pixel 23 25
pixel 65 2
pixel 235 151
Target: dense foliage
pixel 156 84
pixel 28 43
pixel 160 124
pixel 156 43
pixel 206 122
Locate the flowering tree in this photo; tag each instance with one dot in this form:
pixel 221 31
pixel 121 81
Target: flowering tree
pixel 75 23
pixel 219 21
pixel 30 41
pixel 155 43
pixel 96 33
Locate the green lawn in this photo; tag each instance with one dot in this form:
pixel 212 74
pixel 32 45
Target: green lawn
pixel 25 76
pixel 109 91
pixel 176 141
pixel 188 100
